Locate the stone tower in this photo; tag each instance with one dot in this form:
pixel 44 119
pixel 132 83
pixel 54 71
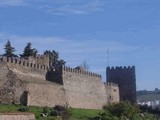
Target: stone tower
pixel 126 80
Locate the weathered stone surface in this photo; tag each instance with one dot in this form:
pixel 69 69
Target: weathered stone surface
pixel 11 87
pixel 84 91
pixel 45 95
pixel 23 82
pixel 112 91
pixel 17 116
pixel 14 85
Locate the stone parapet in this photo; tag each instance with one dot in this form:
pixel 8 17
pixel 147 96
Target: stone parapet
pixel 24 63
pixel 73 70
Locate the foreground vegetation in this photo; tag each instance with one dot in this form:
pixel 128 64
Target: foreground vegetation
pixel 121 111
pixel 126 111
pixel 71 114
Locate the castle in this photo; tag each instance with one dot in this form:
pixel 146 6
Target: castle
pixel 31 81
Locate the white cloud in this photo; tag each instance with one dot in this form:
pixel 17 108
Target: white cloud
pixel 74 52
pixel 72 48
pixel 12 2
pixel 60 7
pixel 85 8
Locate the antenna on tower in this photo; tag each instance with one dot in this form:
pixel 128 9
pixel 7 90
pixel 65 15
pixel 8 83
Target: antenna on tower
pixel 108 57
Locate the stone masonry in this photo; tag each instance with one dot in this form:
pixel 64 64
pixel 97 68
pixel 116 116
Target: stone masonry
pixel 31 82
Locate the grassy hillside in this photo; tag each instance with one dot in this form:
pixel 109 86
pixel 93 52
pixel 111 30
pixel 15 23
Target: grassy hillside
pixel 76 114
pixel 83 114
pixel 111 112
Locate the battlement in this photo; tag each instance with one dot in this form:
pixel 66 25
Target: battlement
pixel 121 68
pixel 39 56
pixel 73 70
pixel 24 63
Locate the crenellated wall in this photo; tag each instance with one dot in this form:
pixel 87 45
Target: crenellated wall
pixel 83 89
pixel 126 79
pixel 26 70
pixel 25 63
pixel 30 81
pixel 14 89
pixel 117 68
pixel 57 75
pixel 87 73
pixel 39 59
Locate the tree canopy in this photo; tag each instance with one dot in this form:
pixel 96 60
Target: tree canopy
pixel 29 51
pixel 54 59
pixel 9 50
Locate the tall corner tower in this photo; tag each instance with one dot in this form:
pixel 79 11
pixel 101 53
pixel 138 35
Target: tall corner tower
pixel 125 77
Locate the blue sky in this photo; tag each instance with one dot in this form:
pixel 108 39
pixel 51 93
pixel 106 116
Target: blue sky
pixel 83 30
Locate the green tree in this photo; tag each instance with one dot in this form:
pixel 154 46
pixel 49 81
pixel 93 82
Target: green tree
pixel 122 110
pixel 54 59
pixel 29 51
pixel 9 50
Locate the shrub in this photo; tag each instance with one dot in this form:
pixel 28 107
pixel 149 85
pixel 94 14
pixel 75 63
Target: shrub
pixel 123 109
pixel 46 110
pixel 58 110
pixel 61 111
pixel 23 109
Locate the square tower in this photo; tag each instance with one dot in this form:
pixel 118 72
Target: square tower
pixel 126 79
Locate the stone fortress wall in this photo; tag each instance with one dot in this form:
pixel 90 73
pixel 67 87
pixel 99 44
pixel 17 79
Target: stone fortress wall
pixel 45 95
pixel 24 82
pixel 39 59
pixel 85 87
pixel 112 91
pixel 11 87
pixel 32 82
pixel 57 75
pixel 37 63
pixel 27 68
pixel 126 79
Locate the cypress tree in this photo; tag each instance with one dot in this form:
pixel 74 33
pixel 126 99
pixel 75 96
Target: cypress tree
pixel 9 50
pixel 29 51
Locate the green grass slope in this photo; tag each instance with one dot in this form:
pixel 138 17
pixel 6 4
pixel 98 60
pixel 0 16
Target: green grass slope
pixel 76 114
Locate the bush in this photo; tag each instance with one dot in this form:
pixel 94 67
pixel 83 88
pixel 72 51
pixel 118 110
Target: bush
pixel 59 108
pixel 23 109
pixel 123 109
pixel 46 110
pixel 53 113
pixel 60 111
